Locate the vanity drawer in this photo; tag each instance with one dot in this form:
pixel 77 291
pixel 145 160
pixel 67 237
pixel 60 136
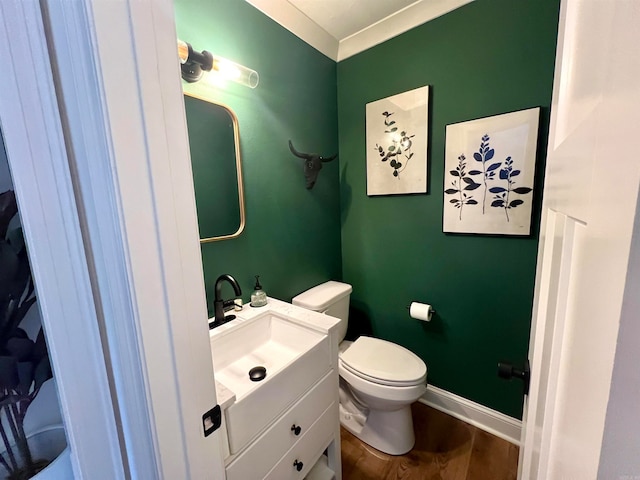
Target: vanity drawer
pixel 260 457
pixel 308 450
pixel 250 415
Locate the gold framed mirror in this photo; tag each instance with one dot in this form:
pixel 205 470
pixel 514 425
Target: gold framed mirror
pixel 214 141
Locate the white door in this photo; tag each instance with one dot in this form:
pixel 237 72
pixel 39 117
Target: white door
pixel 589 206
pixel 107 188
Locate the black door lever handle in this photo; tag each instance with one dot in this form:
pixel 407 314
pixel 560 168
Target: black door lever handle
pixel 507 371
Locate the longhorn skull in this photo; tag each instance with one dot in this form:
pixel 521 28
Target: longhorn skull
pixel 312 164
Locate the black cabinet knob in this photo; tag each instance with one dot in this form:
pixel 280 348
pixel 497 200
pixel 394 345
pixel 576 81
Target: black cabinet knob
pixel 298 465
pixel 296 429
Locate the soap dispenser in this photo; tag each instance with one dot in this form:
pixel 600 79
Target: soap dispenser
pixel 258 296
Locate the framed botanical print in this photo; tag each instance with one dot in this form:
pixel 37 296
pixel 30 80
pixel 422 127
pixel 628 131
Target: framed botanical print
pixel 397 129
pixel 489 173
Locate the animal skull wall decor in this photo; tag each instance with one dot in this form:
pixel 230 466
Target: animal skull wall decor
pixel 312 164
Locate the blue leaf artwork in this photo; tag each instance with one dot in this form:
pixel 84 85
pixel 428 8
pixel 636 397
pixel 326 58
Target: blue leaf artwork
pixel 489 172
pixel 462 184
pixel 502 194
pixel 484 154
pixel 501 198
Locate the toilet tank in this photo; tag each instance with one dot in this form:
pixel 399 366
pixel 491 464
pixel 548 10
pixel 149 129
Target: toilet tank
pixel 331 298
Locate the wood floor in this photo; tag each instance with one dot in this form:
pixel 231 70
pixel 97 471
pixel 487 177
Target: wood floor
pixel 446 449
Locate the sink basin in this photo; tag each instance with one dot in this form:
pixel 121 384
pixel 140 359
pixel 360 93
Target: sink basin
pixel 269 341
pixel 294 357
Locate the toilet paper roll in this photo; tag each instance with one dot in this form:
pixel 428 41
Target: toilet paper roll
pixel 421 311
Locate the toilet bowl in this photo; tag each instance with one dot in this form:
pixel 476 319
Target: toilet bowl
pixel 379 380
pixel 384 379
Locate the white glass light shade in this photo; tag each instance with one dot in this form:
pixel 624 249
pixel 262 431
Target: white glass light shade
pixel 235 72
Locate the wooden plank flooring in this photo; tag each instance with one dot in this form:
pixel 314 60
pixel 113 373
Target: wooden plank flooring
pixel 446 449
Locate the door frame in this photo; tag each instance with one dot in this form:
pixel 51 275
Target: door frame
pixel 114 129
pixel 37 159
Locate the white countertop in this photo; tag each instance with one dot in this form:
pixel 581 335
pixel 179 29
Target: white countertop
pixel 307 318
pixel 225 396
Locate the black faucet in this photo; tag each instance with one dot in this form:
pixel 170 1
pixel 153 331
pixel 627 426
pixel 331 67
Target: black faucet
pixel 218 303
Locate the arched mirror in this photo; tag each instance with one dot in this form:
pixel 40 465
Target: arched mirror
pixel 214 140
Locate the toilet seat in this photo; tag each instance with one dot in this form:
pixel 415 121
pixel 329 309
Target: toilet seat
pixel 383 363
pixel 379 381
pixel 388 393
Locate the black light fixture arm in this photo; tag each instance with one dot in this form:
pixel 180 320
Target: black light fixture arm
pixel 196 64
pixel 203 58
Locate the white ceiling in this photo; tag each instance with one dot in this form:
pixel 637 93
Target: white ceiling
pixel 343 18
pixel 342 28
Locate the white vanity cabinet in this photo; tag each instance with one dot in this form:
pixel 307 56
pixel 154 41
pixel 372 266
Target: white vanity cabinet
pixel 279 430
pixel 297 438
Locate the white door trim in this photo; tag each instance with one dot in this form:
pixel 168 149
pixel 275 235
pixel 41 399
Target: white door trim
pixel 123 100
pixel 36 152
pixel 578 308
pixel 90 148
pixel 553 283
pixel 127 140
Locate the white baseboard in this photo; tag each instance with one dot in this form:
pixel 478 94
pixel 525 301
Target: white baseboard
pixel 496 423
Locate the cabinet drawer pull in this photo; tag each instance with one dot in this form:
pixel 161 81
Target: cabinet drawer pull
pixel 296 429
pixel 297 464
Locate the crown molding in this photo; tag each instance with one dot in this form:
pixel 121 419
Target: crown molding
pixel 288 16
pixel 402 21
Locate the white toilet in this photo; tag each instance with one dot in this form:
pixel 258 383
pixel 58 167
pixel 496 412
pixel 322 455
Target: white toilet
pixel 379 380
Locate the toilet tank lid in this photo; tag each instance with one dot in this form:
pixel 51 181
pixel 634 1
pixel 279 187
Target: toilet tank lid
pixel 321 296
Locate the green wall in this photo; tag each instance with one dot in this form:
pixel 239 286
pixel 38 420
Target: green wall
pixel 486 58
pixel 292 235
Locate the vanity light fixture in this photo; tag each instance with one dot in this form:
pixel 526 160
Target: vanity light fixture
pixel 195 64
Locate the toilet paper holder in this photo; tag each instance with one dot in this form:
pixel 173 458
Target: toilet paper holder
pixel 431 309
pixel 421 311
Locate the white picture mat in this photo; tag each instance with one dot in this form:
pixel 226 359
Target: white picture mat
pixel 410 113
pixel 511 135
